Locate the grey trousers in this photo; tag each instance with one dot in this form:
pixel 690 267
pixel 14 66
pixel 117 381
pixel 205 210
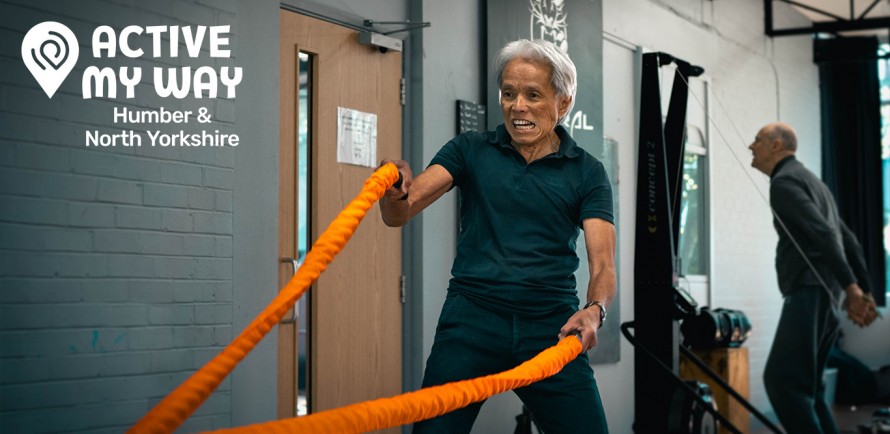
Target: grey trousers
pixel 807 329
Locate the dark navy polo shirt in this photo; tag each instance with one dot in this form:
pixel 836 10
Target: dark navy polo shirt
pixel 519 222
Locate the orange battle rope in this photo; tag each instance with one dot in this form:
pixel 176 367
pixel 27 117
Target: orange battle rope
pixel 410 407
pixel 168 414
pixel 424 403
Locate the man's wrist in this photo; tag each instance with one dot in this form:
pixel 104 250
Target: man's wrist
pixel 602 308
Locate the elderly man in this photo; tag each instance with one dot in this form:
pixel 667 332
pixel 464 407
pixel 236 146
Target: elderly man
pixel 817 256
pixel 526 190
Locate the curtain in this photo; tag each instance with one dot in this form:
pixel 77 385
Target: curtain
pixel 851 143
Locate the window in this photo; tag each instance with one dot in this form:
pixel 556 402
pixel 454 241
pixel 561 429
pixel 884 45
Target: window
pixel 693 244
pixel 305 80
pixel 884 77
pixel 693 248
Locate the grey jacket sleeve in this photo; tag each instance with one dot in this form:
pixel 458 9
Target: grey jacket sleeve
pixel 809 228
pixel 856 258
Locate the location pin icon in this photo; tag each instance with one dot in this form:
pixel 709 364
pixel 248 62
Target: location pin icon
pixel 50 51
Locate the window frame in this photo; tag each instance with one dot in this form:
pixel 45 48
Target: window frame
pixel 698 117
pixel 883 64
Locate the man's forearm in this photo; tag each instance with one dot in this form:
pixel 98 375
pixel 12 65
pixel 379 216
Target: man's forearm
pixel 602 287
pixel 394 212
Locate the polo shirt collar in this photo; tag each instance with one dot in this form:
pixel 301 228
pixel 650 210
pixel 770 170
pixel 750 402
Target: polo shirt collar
pixel 567 146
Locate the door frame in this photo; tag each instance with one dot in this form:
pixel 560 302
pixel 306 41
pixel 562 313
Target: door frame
pixel 412 132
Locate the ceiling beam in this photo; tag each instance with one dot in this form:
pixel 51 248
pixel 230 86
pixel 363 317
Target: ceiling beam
pixel 875 3
pixel 835 26
pixel 814 9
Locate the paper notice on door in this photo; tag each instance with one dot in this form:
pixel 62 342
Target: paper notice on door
pixel 356 137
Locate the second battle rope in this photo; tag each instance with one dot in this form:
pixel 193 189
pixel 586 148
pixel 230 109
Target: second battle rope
pixel 425 403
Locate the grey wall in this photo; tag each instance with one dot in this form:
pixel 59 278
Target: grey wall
pixel 119 264
pixel 255 180
pixel 453 68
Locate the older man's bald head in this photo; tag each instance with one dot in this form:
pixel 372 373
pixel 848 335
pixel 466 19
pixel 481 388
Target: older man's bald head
pixel 784 133
pixel 773 143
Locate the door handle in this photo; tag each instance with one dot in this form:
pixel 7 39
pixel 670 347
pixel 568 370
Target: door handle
pixel 296 263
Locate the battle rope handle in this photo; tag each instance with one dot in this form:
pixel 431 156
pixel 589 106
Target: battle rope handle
pixel 168 414
pixel 424 403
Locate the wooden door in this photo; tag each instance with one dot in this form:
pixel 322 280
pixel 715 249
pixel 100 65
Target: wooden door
pixel 355 312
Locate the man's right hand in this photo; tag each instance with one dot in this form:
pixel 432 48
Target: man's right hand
pixel 400 193
pixel 395 206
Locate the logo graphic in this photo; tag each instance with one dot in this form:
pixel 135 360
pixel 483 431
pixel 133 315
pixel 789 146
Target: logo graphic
pixel 549 21
pixel 50 51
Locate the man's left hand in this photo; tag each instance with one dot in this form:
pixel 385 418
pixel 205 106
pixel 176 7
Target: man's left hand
pixel 861 308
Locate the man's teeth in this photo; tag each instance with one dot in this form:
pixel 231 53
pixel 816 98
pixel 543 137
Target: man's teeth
pixel 522 125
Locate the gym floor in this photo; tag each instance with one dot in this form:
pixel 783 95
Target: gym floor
pixel 848 418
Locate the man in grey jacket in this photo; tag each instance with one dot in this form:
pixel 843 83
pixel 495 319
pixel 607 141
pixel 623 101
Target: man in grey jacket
pixel 817 257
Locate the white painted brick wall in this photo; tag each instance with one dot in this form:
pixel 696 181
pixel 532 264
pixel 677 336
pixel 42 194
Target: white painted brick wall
pixel 754 80
pixel 116 263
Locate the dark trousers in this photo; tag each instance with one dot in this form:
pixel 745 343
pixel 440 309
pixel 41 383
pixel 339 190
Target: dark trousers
pixel 807 329
pixel 472 341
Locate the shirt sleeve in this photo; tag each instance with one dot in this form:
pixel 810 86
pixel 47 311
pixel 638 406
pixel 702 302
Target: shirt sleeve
pixel 810 229
pixel 452 158
pixel 596 201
